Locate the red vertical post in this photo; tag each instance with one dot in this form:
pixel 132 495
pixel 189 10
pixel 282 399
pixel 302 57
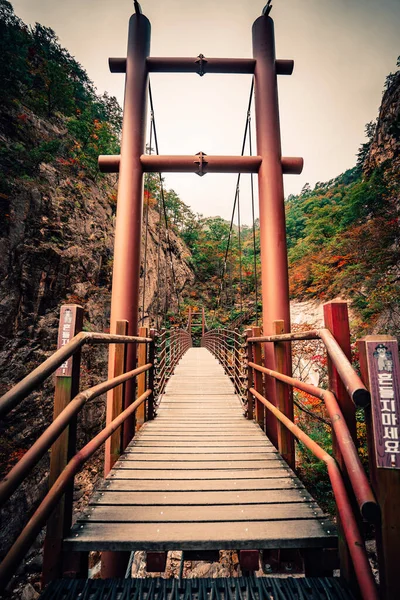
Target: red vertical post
pixel 250 384
pixel 151 359
pixel 337 321
pixel 162 360
pixel 126 272
pixel 274 264
pixel 141 379
pixel 203 322
pixel 224 346
pixel 236 360
pixel 258 380
pixel 115 402
pixel 285 438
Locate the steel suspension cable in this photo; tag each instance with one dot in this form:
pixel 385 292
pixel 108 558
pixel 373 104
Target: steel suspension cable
pixel 240 253
pixel 236 193
pixel 158 306
pixel 163 202
pixel 146 224
pixel 254 225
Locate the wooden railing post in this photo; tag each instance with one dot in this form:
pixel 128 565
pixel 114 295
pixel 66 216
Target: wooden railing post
pixel 152 356
pixel 224 352
pixel 250 399
pixel 115 401
pixel 174 348
pixel 337 321
pixel 114 563
pixel 236 361
pixel 66 387
pixel 380 370
pixel 162 359
pixel 171 352
pixel 258 378
pixel 141 379
pixel 284 399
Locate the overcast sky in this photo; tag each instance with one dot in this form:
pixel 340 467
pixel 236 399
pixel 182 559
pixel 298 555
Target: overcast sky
pixel 343 50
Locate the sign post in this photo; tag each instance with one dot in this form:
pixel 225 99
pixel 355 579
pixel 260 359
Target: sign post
pixel 380 368
pixel 66 388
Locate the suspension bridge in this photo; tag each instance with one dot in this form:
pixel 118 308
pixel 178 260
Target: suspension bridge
pixel 200 442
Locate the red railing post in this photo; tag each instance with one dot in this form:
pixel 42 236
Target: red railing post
pixel 337 321
pixel 115 400
pixel 171 352
pixel 162 360
pixel 250 383
pixel 151 360
pixel 224 351
pixel 258 380
pixel 141 379
pixel 236 371
pixel 284 398
pixel 66 387
pixel 380 370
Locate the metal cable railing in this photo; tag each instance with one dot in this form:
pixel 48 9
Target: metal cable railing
pixel 156 363
pixel 259 378
pixel 171 345
pixel 228 347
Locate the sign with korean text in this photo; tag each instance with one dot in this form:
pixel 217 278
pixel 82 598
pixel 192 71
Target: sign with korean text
pixel 384 375
pixel 66 332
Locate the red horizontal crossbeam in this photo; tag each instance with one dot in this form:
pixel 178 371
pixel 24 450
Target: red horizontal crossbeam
pixel 201 65
pixel 200 164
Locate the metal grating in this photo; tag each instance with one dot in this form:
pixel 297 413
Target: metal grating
pixel 240 588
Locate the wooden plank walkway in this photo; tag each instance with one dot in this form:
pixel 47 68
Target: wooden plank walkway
pixel 199 477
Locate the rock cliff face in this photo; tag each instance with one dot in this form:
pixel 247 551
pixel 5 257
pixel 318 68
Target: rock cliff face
pixel 384 152
pixel 385 144
pixel 56 246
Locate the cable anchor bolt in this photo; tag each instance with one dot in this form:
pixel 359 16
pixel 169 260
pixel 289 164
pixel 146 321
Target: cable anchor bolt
pixel 201 62
pixel 201 162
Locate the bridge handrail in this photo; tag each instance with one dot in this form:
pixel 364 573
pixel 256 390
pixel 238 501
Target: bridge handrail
pixel 172 345
pixel 351 530
pixel 29 383
pixel 368 506
pixel 25 465
pixel 215 341
pixel 354 386
pixel 169 352
pixel 37 521
pixel 230 353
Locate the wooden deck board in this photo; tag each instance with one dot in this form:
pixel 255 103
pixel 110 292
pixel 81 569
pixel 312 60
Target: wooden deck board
pixel 206 536
pixel 167 475
pixel 219 465
pixel 108 496
pixel 197 485
pixel 200 513
pixel 188 457
pixel 200 477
